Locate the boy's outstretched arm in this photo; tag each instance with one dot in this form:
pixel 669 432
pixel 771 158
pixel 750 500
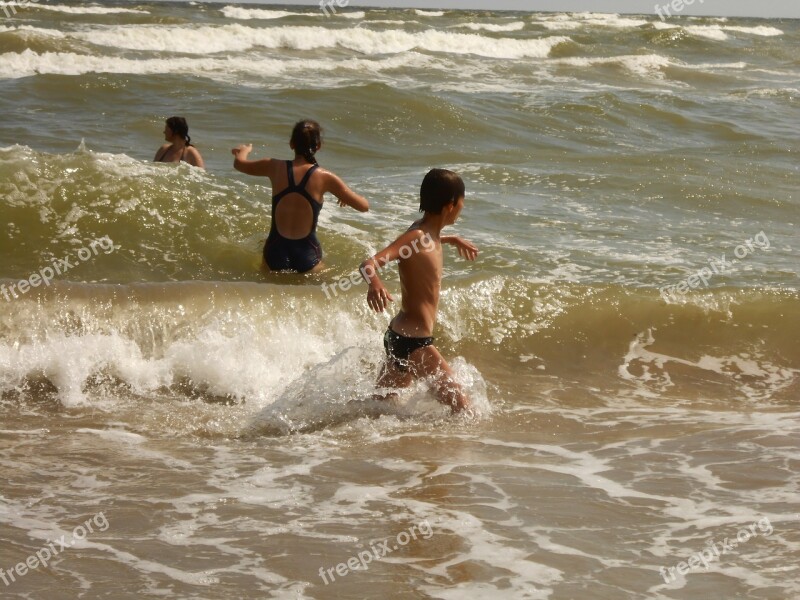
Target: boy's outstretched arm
pixel 467 250
pixel 378 297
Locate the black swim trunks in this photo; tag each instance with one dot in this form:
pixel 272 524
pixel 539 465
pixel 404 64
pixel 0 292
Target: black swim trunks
pixel 399 347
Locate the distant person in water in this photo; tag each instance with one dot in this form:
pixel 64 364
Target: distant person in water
pixel 410 353
pixel 179 147
pixel 298 187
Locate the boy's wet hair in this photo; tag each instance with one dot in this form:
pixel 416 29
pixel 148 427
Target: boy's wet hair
pixel 439 189
pixel 179 126
pixel 307 138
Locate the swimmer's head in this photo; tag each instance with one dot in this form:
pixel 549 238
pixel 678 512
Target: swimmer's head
pixel 441 188
pixel 178 126
pixel 307 139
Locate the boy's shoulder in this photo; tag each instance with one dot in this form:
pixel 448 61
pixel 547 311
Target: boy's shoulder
pixel 413 241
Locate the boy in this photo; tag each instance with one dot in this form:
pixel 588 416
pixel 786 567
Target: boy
pixel 410 353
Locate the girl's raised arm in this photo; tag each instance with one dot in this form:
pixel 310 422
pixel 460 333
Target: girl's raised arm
pixel 260 167
pixel 344 194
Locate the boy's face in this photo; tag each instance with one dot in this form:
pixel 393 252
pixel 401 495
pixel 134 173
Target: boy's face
pixel 455 210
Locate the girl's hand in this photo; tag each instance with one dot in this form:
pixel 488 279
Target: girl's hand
pixel 242 149
pixel 467 250
pixel 378 297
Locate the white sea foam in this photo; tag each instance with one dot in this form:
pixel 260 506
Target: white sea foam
pixel 711 32
pixel 331 356
pixel 87 10
pixel 28 63
pixel 718 32
pixel 761 30
pixel 578 20
pixel 515 26
pixel 758 380
pixel 246 14
pixel 664 25
pixel 228 38
pixel 429 13
pixel 639 64
pixel 35 31
pixel 774 92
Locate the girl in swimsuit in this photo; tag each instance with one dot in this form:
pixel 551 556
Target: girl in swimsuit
pixel 292 243
pixel 179 148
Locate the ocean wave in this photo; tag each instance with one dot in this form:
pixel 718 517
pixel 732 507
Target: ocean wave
pixel 429 13
pixel 35 39
pixel 34 31
pixel 577 20
pixel 87 10
pixel 639 64
pixel 787 93
pixel 761 30
pixel 28 63
pixel 238 342
pixel 710 32
pixel 249 342
pixel 515 26
pixel 228 38
pixel 718 32
pixel 246 14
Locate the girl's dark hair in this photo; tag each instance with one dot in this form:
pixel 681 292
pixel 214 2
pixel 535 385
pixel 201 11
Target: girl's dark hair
pixel 306 139
pixel 440 188
pixel 180 127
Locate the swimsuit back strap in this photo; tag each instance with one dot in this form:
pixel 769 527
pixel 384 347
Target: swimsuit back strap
pixel 290 174
pixel 298 189
pixel 307 176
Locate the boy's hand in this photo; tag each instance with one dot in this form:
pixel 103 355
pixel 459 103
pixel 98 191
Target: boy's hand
pixel 242 150
pixel 378 297
pixel 466 249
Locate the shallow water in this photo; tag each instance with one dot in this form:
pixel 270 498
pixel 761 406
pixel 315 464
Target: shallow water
pixel 628 334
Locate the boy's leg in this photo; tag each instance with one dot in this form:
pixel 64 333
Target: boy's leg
pixel 391 377
pixel 427 362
